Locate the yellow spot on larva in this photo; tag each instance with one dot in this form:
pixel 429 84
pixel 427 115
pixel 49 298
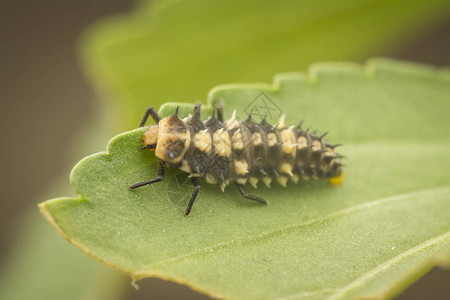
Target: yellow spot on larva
pixel 288 141
pixel 267 180
pixel 253 181
pixel 271 139
pixel 257 139
pixel 241 180
pixel 209 178
pixel 185 166
pixel 338 179
pixel 240 167
pixel 282 180
pixel 316 146
pixel 222 143
pixel 202 141
pixel 237 141
pixel 302 142
pixel 286 168
pixel 295 178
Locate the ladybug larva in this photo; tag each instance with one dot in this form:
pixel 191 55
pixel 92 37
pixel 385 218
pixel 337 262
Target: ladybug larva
pixel 236 151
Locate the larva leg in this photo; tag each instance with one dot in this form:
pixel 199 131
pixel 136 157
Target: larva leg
pixel 149 112
pixel 160 177
pixel 246 195
pixel 196 184
pixel 219 111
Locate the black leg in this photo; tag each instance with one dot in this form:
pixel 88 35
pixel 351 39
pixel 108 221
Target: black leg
pixel 246 195
pixel 160 177
pixel 150 112
pixel 219 111
pixel 196 184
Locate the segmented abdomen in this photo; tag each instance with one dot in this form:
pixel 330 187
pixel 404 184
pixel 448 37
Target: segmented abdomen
pixel 245 151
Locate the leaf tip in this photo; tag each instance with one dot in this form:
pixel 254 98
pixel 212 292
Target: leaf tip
pixel 48 216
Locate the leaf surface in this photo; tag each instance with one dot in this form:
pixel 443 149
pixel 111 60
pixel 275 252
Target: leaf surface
pixel 387 224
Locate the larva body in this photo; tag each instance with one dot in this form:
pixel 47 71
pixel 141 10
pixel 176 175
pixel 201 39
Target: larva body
pixel 243 152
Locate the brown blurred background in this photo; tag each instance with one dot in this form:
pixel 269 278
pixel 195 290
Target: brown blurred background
pixel 45 99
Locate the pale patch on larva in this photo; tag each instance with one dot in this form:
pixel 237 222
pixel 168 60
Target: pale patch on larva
pixel 282 180
pixel 222 143
pixel 209 178
pixel 316 145
pixel 287 138
pixel 302 142
pixel 257 138
pixel 202 141
pixel 240 167
pixel 286 169
pixel 185 166
pixel 267 181
pixel 253 182
pixel 271 139
pixel 237 141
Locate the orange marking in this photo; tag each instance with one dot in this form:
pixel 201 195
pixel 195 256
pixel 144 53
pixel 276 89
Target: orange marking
pixel 338 179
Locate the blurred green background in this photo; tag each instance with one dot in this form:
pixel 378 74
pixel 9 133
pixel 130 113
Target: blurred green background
pixel 52 115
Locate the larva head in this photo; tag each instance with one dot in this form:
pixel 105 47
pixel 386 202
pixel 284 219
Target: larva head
pixel 173 139
pixel 150 137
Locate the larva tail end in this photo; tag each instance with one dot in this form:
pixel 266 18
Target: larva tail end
pixel 338 179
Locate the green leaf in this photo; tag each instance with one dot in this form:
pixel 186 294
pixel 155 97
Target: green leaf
pixel 42 266
pixel 139 58
pixel 385 226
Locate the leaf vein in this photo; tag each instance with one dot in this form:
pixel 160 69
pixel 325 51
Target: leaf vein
pixel 349 210
pixel 372 273
pixel 441 239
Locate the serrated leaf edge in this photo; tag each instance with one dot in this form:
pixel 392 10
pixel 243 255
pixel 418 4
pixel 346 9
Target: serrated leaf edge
pixel 313 75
